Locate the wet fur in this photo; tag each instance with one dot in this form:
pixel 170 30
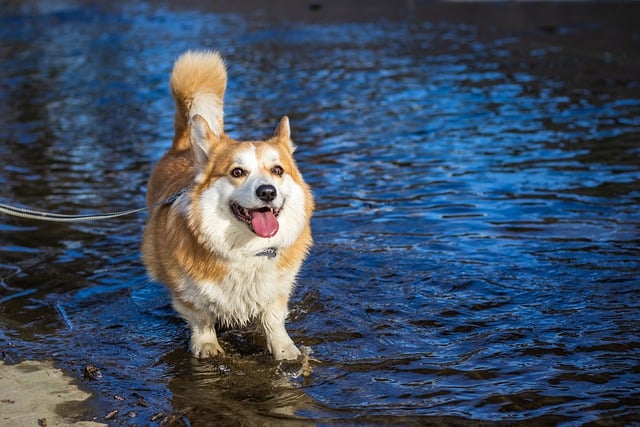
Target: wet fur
pixel 196 246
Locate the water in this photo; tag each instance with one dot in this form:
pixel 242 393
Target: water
pixel 477 253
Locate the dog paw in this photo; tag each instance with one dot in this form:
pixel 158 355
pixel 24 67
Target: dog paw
pixel 289 352
pixel 206 350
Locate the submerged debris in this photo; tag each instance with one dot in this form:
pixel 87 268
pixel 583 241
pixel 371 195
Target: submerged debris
pixel 91 372
pixel 140 401
pixel 111 415
pixel 157 416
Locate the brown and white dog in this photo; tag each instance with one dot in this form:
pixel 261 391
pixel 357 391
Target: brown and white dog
pixel 230 246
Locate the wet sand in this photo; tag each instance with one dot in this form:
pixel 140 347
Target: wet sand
pixel 35 393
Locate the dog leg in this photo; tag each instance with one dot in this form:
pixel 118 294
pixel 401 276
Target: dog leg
pixel 204 341
pixel 279 342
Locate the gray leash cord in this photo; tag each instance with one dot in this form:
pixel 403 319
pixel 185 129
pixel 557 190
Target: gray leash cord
pixel 55 217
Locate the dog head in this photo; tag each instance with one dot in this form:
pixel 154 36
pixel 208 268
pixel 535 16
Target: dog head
pixel 247 191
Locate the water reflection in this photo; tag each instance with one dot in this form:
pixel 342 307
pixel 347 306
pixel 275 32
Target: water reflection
pixel 477 232
pixel 250 389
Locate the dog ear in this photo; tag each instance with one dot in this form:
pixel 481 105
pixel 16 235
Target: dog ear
pixel 202 140
pixel 283 133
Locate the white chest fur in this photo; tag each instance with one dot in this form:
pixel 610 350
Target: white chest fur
pixel 242 295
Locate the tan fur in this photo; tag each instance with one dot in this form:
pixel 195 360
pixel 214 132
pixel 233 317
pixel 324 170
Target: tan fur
pixel 177 249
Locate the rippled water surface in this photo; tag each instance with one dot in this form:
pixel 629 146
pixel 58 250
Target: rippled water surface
pixel 477 251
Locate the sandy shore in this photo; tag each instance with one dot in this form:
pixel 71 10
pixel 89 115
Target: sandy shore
pixel 35 393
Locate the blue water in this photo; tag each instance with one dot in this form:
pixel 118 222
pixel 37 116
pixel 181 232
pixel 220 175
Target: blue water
pixel 477 233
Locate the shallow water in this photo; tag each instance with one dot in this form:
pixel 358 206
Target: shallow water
pixel 477 251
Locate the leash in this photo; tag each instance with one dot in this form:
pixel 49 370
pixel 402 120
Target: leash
pixel 56 217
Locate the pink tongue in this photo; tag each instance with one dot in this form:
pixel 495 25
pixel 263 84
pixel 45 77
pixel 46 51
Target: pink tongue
pixel 264 224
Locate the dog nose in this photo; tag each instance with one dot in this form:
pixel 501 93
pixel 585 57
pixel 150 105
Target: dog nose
pixel 266 192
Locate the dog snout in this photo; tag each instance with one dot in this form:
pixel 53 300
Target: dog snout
pixel 266 192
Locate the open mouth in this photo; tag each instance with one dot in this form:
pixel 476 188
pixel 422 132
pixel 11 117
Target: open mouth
pixel 262 221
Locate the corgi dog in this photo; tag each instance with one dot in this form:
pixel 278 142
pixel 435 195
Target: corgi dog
pixel 232 240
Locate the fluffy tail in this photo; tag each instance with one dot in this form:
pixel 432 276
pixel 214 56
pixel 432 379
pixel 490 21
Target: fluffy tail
pixel 198 82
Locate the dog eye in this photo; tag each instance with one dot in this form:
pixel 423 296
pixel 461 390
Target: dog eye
pixel 277 170
pixel 238 172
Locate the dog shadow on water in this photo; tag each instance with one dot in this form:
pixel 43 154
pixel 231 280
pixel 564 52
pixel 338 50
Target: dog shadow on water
pixel 245 386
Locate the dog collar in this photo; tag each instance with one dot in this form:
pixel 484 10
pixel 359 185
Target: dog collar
pixel 269 253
